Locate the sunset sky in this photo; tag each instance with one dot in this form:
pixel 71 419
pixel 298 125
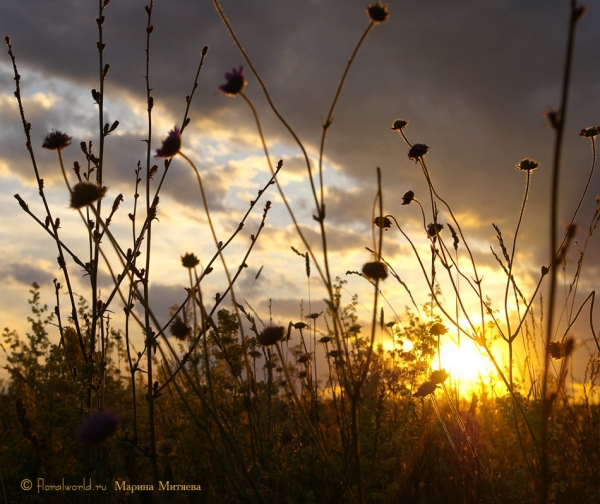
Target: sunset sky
pixel 472 78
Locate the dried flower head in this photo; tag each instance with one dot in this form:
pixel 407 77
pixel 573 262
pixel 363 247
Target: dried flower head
pixel 170 145
pixel 271 335
pixel 561 349
pixel 85 193
pixel 235 82
pixel 439 376
pixel 98 427
pixel 438 329
pixel 180 329
pixel 378 12
pixel 375 270
pixel 407 197
pixel 591 132
pixel 527 165
pixel 427 388
pixel 434 229
pixel 417 151
pixel 399 125
pixel 56 140
pixel 383 222
pixel 189 260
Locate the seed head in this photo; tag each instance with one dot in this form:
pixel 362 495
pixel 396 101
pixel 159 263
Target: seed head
pixel 438 377
pixel 85 193
pixel 399 125
pixel 407 197
pixel 438 329
pixel 378 12
pixel 180 329
pixel 271 335
pixel 417 151
pixel 427 388
pixel 527 165
pixel 383 222
pixel 434 229
pixel 189 261
pixel 235 82
pixel 591 132
pixel 170 145
pixel 56 140
pixel 375 270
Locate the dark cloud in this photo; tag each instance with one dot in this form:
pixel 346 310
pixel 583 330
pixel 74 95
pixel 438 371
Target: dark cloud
pixel 26 273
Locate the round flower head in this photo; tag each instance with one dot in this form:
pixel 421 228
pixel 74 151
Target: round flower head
pixel 417 151
pixel 399 125
pixel 189 260
pixel 98 427
pixel 383 222
pixel 378 12
pixel 375 270
pixel 434 229
pixel 180 329
pixel 527 165
pixel 439 376
pixel 171 145
pixel 56 140
pixel 591 132
pixel 438 329
pixel 271 335
pixel 407 197
pixel 85 193
pixel 235 82
pixel 426 389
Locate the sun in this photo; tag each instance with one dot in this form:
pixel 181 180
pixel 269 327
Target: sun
pixel 468 365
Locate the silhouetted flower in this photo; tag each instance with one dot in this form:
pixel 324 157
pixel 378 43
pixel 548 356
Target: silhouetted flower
pixel 527 165
pixel 383 222
pixel 235 82
pixel 170 145
pixel 378 12
pixel 438 329
pixel 590 132
pixel 399 125
pixel 375 270
pixel 271 335
pixel 560 349
pixel 434 229
pixel 417 151
pixel 85 193
pixel 439 376
pixel 56 140
pixel 427 388
pixel 180 329
pixel 189 260
pixel 407 197
pixel 98 427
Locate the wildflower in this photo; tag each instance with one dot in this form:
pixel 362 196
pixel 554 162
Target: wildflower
pixel 560 349
pixel 427 388
pixel 56 140
pixel 271 335
pixel 434 229
pixel 325 339
pixel 527 165
pixel 383 222
pixel 417 151
pixel 375 270
pixel 399 125
pixel 591 132
pixel 235 82
pixel 378 12
pixel 407 197
pixel 85 193
pixel 304 359
pixel 438 329
pixel 98 427
pixel 189 261
pixel 170 145
pixel 180 329
pixel 255 354
pixel 439 376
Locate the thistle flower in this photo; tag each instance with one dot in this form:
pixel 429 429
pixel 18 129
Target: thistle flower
pixel 407 197
pixel 375 270
pixel 438 329
pixel 189 261
pixel 180 329
pixel 235 82
pixel 271 335
pixel 434 229
pixel 427 388
pixel 417 151
pixel 383 222
pixel 56 140
pixel 378 12
pixel 170 145
pixel 98 427
pixel 85 193
pixel 527 165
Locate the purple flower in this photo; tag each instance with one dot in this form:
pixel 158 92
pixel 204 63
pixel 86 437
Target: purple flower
pixel 235 82
pixel 98 427
pixel 171 145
